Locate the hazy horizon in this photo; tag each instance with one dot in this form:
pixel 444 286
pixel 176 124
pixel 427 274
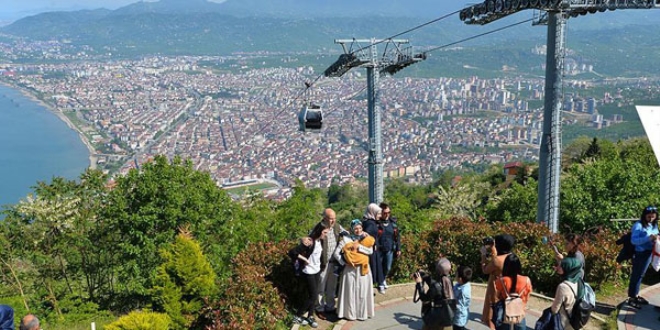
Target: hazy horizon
pixel 20 9
pixel 15 10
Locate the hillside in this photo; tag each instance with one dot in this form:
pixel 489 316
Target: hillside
pixel 200 27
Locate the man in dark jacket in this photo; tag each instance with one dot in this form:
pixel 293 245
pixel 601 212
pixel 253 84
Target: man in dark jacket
pixel 388 242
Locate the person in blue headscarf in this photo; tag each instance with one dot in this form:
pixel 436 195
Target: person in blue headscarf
pixel 356 298
pixel 6 317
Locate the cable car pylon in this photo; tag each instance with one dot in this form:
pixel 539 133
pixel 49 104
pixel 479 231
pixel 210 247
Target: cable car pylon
pixel 557 12
pixel 393 59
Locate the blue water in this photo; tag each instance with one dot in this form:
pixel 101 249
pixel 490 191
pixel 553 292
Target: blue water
pixel 35 145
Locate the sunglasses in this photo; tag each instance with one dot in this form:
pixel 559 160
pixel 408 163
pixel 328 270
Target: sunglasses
pixel 651 208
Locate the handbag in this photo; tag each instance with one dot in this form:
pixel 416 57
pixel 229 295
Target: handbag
pixel 437 312
pixel 441 314
pixel 549 321
pixel 510 310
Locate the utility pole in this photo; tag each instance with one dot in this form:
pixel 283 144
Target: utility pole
pixel 557 12
pixel 392 60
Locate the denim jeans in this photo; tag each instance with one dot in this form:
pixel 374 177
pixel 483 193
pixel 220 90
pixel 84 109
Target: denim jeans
pixel 520 326
pixel 640 264
pixel 386 258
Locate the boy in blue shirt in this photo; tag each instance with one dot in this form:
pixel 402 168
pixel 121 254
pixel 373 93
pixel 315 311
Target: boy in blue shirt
pixel 463 295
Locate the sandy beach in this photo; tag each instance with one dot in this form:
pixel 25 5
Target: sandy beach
pixel 92 152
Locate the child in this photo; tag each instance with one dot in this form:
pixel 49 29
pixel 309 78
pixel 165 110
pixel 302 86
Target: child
pixel 351 255
pixel 463 295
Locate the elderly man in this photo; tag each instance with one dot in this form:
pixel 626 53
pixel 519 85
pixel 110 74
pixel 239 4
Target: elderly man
pixel 29 322
pixel 328 285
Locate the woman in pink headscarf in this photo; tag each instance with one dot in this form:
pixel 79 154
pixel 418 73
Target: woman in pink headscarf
pixel 370 225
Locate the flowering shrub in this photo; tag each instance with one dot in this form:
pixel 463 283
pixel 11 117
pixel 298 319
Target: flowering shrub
pixel 252 297
pixel 264 289
pixel 459 239
pixel 139 320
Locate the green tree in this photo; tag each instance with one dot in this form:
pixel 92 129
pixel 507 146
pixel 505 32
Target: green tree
pixel 297 215
pixel 55 237
pixel 183 280
pixel 517 203
pixel 463 199
pixel 148 205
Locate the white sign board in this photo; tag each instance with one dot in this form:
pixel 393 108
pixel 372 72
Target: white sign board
pixel 650 117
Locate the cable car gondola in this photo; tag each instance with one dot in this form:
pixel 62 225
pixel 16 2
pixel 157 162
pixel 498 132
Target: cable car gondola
pixel 311 118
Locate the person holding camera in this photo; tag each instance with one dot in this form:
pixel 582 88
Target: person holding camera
pixel 493 254
pixel 438 303
pixel 572 244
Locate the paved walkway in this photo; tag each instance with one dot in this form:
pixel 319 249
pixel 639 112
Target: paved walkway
pixel 402 313
pixel 645 318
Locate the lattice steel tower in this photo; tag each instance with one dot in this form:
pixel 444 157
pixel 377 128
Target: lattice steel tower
pixel 556 14
pixel 393 59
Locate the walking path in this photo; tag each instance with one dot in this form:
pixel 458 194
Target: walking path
pixel 641 319
pixel 398 313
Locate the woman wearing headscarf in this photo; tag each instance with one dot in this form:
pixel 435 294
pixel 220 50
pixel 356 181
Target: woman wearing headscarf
pixel 492 263
pixel 356 293
pixel 370 225
pixel 572 244
pixel 644 234
pixel 442 270
pixel 568 290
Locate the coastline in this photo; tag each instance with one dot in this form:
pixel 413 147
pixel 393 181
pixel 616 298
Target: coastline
pixel 92 152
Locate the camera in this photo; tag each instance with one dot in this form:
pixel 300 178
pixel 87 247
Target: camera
pixel 425 277
pixel 488 241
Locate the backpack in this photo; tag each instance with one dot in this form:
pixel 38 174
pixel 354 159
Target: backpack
pixel 583 307
pixel 514 307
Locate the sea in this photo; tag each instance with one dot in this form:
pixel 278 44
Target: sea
pixel 35 146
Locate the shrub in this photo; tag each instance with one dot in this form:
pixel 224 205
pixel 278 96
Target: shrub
pixel 140 320
pixel 183 280
pixel 459 239
pixel 252 297
pixel 263 287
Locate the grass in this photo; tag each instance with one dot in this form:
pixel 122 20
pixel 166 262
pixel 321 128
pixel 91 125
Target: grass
pixel 100 324
pixel 243 189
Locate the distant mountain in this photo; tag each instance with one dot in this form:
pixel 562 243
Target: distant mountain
pixel 170 7
pixel 340 8
pixel 200 27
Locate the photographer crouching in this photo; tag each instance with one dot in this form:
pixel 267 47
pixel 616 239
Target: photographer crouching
pixel 438 303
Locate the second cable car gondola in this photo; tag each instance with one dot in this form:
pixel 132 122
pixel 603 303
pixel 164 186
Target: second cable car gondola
pixel 310 118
